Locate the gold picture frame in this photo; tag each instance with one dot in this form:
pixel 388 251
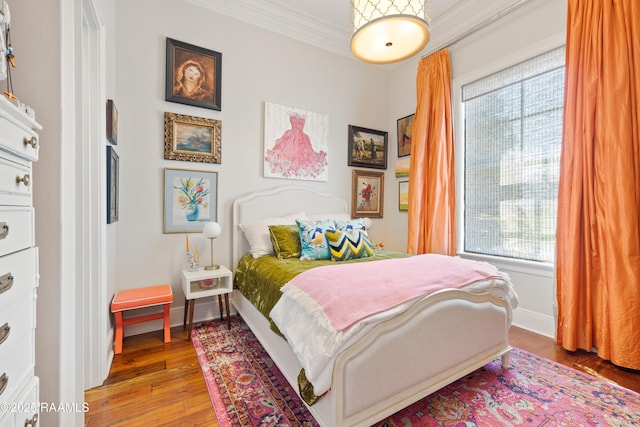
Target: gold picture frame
pixel 192 139
pixel 367 194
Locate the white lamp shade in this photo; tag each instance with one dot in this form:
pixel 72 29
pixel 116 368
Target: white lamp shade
pixel 211 230
pixel 387 31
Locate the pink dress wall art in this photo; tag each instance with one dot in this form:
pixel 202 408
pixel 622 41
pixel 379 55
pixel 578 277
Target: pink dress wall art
pixel 295 143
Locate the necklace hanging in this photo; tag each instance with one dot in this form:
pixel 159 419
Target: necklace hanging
pixel 10 63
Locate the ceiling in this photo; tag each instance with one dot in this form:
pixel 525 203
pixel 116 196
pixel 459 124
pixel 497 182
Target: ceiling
pixel 326 23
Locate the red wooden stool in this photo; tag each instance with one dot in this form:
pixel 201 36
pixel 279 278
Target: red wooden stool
pixel 130 299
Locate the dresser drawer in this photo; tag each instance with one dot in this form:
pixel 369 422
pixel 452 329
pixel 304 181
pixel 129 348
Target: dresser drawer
pixel 16 321
pixel 19 275
pixel 15 181
pixel 18 138
pixel 28 405
pixel 16 229
pixel 17 365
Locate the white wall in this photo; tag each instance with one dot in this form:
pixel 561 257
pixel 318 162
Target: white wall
pixel 257 66
pixel 508 40
pixel 41 90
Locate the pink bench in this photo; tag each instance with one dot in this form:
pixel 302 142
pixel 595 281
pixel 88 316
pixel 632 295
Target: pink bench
pixel 131 299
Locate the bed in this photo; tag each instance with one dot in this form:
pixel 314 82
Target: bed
pixel 437 340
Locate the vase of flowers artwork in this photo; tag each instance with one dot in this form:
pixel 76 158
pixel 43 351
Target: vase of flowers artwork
pixel 192 193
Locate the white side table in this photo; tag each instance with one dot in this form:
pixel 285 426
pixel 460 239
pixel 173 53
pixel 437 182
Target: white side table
pixel 206 283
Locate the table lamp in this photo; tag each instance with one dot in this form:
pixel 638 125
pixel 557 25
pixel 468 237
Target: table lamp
pixel 211 230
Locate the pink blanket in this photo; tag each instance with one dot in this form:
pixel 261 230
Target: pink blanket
pixel 349 293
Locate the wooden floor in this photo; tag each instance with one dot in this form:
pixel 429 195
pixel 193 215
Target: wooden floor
pixel 157 384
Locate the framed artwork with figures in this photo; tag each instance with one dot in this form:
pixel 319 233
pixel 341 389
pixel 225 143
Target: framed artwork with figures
pixel 190 199
pixel 405 132
pixel 367 147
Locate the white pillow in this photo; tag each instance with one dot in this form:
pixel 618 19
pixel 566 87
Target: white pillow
pixel 257 232
pixel 336 216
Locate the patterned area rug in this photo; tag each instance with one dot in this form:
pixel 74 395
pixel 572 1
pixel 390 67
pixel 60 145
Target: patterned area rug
pixel 247 389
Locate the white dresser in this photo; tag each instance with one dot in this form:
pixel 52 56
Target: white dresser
pixel 19 144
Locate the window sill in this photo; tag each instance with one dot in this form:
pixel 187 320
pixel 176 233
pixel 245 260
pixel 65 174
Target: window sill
pixel 543 269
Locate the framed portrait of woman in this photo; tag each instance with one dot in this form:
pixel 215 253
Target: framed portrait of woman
pixel 193 76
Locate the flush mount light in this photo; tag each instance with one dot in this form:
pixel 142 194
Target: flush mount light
pixel 387 31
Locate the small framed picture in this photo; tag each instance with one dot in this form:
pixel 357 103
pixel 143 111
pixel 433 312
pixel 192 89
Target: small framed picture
pixel 113 172
pixel 403 195
pixel 367 147
pixel 192 139
pixel 112 122
pixel 190 199
pixel 193 75
pixel 405 130
pixel 367 194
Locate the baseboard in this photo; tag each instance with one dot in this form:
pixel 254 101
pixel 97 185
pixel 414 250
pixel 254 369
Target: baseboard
pixel 205 309
pixel 534 322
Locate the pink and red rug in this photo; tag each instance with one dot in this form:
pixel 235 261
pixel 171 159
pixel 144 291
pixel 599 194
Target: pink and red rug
pixel 247 389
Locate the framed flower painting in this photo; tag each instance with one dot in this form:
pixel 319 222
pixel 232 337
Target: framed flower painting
pixel 367 194
pixel 190 199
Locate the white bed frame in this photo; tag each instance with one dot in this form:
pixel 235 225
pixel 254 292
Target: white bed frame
pixel 440 339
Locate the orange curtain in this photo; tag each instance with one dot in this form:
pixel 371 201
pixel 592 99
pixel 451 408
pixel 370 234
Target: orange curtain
pixel 598 228
pixel 432 209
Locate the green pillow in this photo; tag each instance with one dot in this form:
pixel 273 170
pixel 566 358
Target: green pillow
pixel 285 240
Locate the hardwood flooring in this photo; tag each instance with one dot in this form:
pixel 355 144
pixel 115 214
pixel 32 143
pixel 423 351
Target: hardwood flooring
pixel 157 384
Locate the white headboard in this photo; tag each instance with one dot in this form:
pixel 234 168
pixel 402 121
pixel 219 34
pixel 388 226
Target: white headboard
pixel 277 202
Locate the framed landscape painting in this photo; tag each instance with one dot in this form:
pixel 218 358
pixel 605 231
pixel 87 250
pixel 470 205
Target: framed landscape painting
pixel 403 195
pixel 367 147
pixel 193 139
pixel 190 199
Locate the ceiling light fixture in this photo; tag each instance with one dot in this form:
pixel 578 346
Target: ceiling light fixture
pixel 387 31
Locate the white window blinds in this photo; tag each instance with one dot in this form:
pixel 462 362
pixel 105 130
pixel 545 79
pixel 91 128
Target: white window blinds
pixel 512 139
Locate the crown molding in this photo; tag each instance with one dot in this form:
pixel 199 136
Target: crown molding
pixel 285 21
pixel 464 16
pixel 450 24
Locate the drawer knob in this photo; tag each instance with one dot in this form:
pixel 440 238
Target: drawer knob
pixel 31 422
pixel 26 180
pixel 4 380
pixel 33 142
pixel 6 282
pixel 4 230
pixel 4 332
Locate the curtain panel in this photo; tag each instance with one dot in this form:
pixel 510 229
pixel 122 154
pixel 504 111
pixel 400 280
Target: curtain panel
pixel 598 227
pixel 432 220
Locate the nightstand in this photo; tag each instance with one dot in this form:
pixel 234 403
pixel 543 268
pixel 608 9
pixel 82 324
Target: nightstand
pixel 206 283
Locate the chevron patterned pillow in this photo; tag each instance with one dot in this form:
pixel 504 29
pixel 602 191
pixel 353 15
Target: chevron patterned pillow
pixel 349 244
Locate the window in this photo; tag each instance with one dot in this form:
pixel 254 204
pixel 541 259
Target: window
pixel 512 139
